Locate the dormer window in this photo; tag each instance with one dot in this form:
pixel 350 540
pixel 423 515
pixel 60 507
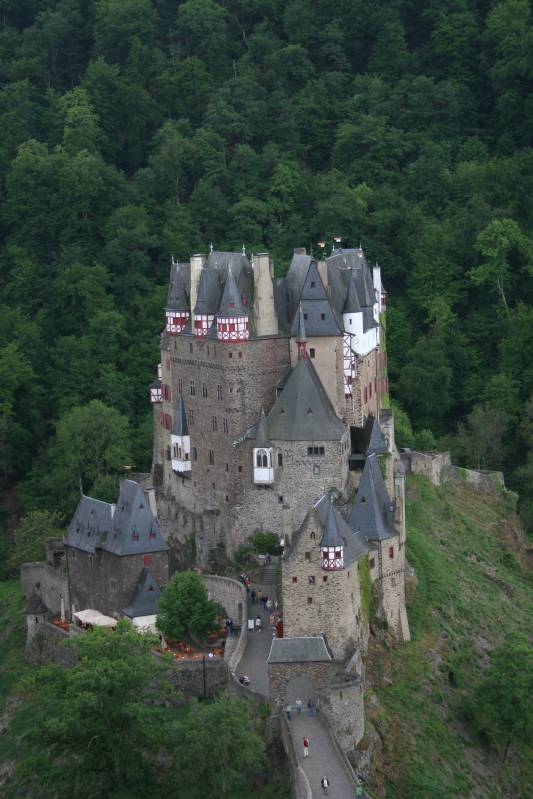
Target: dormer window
pixel 141 506
pixel 152 534
pixel 135 535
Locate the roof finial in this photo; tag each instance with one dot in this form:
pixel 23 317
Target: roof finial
pixel 243 249
pixel 211 247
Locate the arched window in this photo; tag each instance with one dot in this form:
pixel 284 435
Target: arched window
pixel 259 460
pixel 265 460
pixel 313 534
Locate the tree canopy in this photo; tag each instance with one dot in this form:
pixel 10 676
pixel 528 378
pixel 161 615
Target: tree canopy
pixel 184 607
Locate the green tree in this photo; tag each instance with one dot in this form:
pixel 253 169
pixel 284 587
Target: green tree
pixel 105 715
pixel 500 708
pixel 31 535
pixel 480 440
pixel 184 607
pixel 235 752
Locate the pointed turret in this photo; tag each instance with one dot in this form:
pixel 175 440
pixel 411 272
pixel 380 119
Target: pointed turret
pixel 351 303
pixel 207 301
pixel 332 543
pixel 263 454
pixel 180 440
pixel 177 310
pixel 373 511
pixel 232 317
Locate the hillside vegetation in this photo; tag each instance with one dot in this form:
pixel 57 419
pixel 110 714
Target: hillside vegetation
pixel 137 129
pixel 473 593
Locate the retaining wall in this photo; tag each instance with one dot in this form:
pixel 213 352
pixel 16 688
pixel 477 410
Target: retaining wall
pixel 231 594
pixel 51 583
pixel 438 468
pixel 300 783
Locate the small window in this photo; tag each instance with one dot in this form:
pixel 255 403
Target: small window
pixel 135 535
pixel 240 468
pixel 113 585
pixel 305 316
pixel 225 425
pixel 219 392
pixel 204 391
pixel 372 563
pixel 91 560
pixel 316 469
pixel 322 316
pixel 213 485
pixel 391 552
pixel 192 388
pixel 311 579
pixel 325 578
pixel 313 284
pixel 211 457
pixel 309 600
pixel 280 499
pixel 295 579
pixel 240 354
pixel 227 467
pixel 194 454
pixel 280 459
pixel 230 355
pixel 73 554
pixel 312 352
pixel 146 558
pixel 308 556
pixel 313 534
pixel 227 498
pixel 214 424
pixel 190 347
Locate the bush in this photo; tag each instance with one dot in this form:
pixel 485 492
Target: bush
pixel 263 543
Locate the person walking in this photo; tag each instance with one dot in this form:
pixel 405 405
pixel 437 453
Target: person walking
pixel 288 711
pixel 253 596
pixel 298 704
pixel 324 782
pixel 258 595
pixel 268 605
pixel 306 747
pixel 310 708
pixel 258 623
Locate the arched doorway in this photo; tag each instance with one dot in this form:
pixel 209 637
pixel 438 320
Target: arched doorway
pixel 300 687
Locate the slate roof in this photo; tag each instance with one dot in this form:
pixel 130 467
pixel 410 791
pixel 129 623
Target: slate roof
pixel 35 605
pixel 209 291
pixel 180 426
pixel 155 384
pixel 301 324
pixel 231 303
pixel 368 438
pixel 352 303
pixel 241 269
pixel 303 411
pixel 91 519
pixel 351 283
pixel 145 597
pixel 178 291
pixel 355 545
pixel 331 537
pixel 261 436
pixel 129 528
pixel 319 315
pixel 306 649
pixel 294 281
pixel 373 512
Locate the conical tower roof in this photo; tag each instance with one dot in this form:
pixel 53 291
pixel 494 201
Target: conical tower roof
pixel 261 437
pixel 352 304
pixel 332 535
pixel 178 298
pixel 35 605
pixel 180 426
pixel 373 512
pixel 208 297
pixel 231 303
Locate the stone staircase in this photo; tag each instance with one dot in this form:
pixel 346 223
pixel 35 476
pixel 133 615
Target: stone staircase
pixel 269 572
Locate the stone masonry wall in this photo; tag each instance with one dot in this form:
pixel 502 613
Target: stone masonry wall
pixel 91 578
pixel 52 584
pixel 331 605
pixel 367 375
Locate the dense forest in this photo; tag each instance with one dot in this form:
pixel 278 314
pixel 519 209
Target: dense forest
pixel 137 129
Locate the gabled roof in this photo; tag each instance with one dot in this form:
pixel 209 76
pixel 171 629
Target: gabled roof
pixel 129 528
pixel 346 267
pixel 373 512
pixel 231 303
pixel 178 290
pixel 355 545
pixel 145 597
pixel 261 436
pixel 91 519
pixel 135 528
pixel 35 605
pixel 319 315
pixel 294 282
pixel 209 290
pixel 303 411
pixel 305 649
pixel 180 426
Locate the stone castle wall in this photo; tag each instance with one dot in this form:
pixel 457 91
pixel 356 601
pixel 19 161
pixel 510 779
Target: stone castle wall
pixel 51 584
pixel 107 582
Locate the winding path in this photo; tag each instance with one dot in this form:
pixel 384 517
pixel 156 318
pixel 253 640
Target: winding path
pixel 323 758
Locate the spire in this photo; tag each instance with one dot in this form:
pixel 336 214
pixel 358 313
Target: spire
pixel 261 437
pixel 301 338
pixel 231 303
pixel 331 536
pixel 180 426
pixel 373 512
pixel 352 304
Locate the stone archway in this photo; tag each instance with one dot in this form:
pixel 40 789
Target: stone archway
pixel 300 687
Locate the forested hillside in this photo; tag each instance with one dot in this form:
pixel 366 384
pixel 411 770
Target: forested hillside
pixel 136 129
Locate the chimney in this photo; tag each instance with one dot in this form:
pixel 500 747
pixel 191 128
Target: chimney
pixel 197 264
pixel 266 321
pixel 323 272
pixel 300 251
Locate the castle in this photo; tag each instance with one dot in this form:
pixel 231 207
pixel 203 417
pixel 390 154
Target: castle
pixel 270 413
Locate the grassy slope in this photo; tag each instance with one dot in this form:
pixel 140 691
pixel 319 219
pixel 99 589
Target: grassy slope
pixel 471 590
